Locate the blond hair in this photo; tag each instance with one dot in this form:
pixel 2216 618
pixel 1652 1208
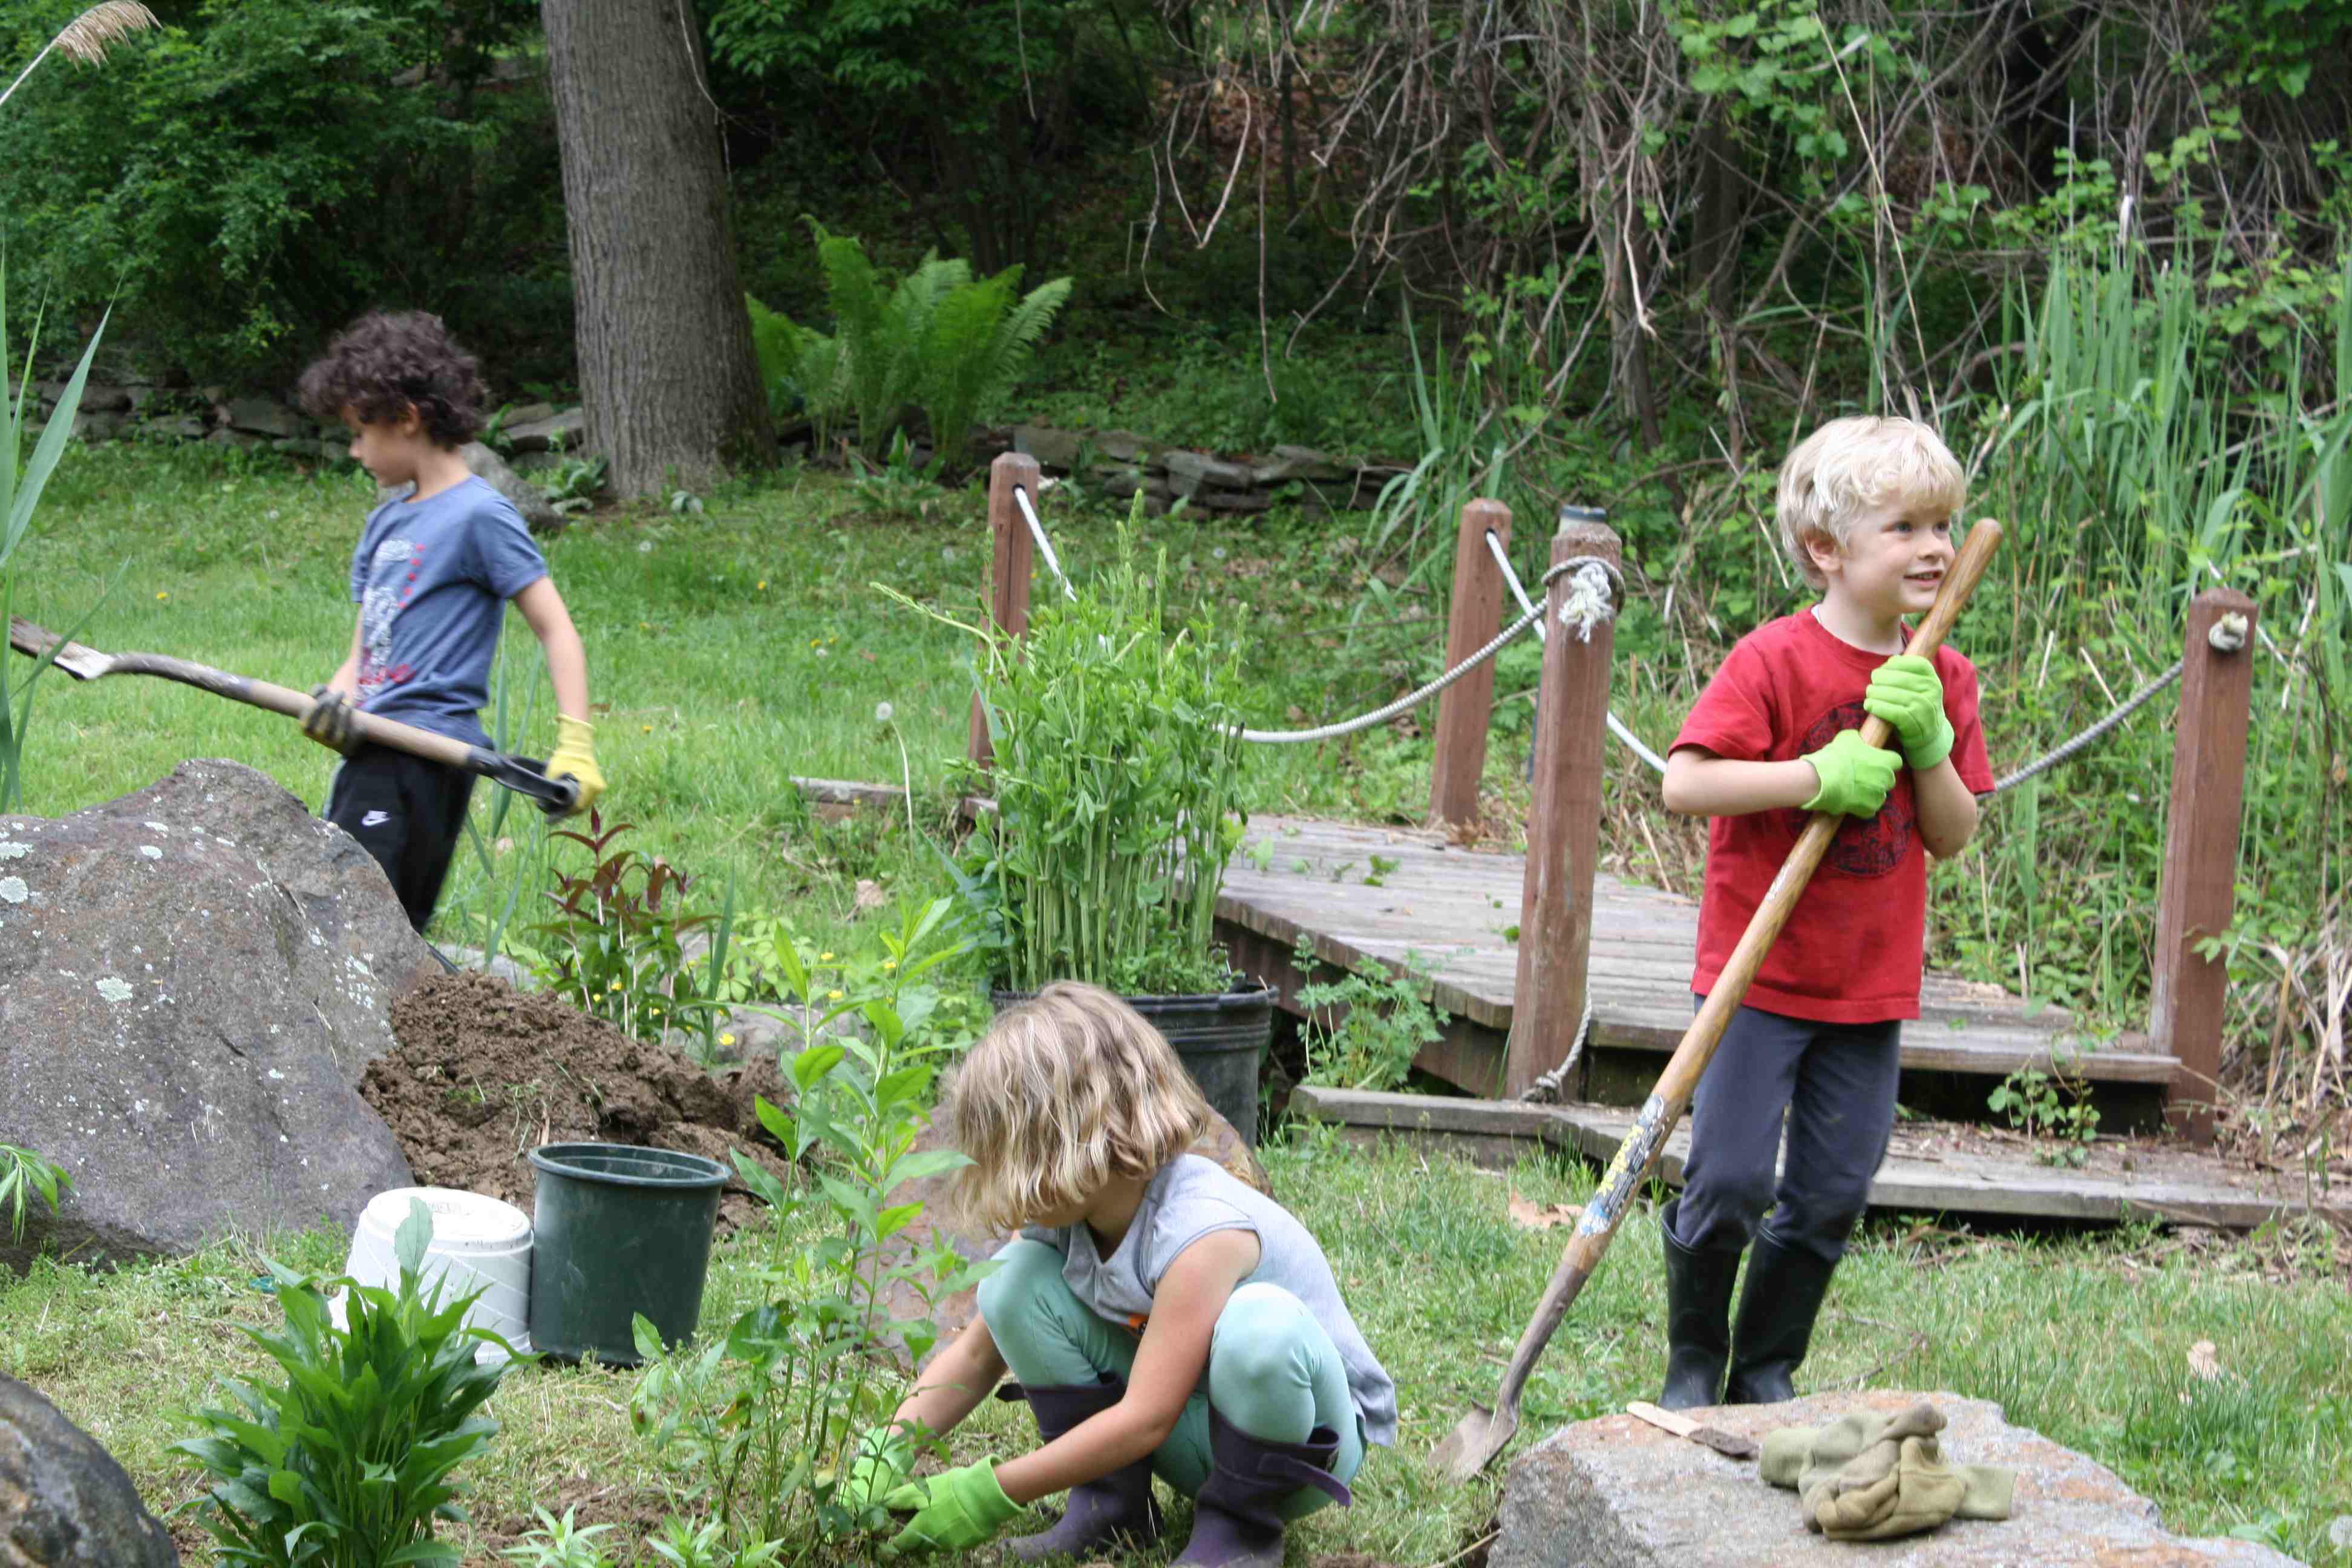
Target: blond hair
pixel 1850 465
pixel 1064 1093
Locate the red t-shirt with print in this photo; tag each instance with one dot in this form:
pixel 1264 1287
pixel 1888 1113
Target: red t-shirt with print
pixel 1852 950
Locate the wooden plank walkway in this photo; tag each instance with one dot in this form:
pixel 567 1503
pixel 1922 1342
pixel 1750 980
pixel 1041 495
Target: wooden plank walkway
pixel 1364 893
pixel 1935 1167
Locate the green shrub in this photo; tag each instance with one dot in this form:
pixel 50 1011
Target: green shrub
pixel 261 170
pixel 1118 785
pixel 347 1462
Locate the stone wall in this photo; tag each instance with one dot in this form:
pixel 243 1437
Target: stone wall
pixel 1116 462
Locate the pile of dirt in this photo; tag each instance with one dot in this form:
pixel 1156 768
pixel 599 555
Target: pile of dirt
pixel 484 1073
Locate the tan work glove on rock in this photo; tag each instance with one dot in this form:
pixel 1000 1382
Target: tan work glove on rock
pixel 1872 1478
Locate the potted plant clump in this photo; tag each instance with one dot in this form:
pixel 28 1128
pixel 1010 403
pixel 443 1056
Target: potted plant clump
pixel 1117 783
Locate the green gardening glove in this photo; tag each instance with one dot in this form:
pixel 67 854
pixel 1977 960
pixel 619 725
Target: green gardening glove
pixel 1906 692
pixel 954 1511
pixel 1855 775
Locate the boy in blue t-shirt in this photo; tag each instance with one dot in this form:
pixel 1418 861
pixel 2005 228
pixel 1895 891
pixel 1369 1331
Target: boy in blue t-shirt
pixel 431 577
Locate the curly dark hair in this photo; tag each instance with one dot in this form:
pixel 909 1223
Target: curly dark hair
pixel 388 361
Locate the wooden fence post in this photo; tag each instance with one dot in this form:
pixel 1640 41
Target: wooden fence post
pixel 1009 552
pixel 1465 708
pixel 2197 893
pixel 1563 820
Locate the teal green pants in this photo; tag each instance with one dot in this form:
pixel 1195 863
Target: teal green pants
pixel 1273 1372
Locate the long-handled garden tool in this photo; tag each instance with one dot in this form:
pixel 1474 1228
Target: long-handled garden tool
pixel 555 796
pixel 1483 1433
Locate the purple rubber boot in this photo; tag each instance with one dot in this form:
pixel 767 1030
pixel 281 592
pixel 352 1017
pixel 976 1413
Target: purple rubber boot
pixel 1235 1524
pixel 1119 1504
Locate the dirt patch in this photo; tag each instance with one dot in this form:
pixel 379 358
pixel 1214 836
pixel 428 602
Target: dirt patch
pixel 484 1073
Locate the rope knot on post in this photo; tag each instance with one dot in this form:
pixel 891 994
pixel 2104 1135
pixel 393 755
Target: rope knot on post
pixel 1591 596
pixel 2228 633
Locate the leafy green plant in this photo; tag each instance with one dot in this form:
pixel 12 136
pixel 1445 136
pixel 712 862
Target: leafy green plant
pixel 897 488
pixel 1117 784
pixel 574 484
pixel 24 1171
pixel 559 1543
pixel 616 943
pixel 1363 1030
pixel 2054 1105
pixel 348 1462
pixel 757 1420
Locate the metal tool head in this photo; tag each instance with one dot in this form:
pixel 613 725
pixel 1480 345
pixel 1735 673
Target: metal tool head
pixel 1474 1443
pixel 81 663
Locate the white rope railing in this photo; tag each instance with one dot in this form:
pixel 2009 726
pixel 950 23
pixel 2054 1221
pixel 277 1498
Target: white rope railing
pixel 1616 725
pixel 1044 545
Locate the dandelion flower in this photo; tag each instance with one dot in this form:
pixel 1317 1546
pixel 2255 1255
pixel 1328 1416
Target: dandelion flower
pixel 645 547
pixel 726 1039
pixel 825 958
pixel 882 712
pixel 648 729
pixel 162 595
pixel 833 995
pixel 763 583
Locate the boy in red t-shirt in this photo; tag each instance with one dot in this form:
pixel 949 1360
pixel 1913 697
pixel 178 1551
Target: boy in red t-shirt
pixel 1865 510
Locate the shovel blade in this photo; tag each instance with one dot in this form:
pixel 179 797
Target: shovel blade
pixel 81 663
pixel 1473 1445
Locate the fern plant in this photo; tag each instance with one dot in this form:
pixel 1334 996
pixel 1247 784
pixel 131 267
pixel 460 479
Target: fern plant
pixel 977 343
pixel 939 340
pixel 801 368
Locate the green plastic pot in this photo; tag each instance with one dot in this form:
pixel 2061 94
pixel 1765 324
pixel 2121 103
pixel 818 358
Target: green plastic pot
pixel 1221 1037
pixel 618 1230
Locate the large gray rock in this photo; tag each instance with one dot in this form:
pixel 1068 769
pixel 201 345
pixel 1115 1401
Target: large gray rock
pixel 192 980
pixel 539 513
pixel 265 416
pixel 64 1502
pixel 569 428
pixel 1618 1493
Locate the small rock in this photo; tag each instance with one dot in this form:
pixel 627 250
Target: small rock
pixel 528 413
pixel 1124 446
pixel 92 425
pixel 1284 464
pixel 1055 450
pixel 172 428
pixel 237 438
pixel 265 416
pixel 64 1501
pixel 99 398
pixel 540 435
pixel 300 446
pixel 1190 473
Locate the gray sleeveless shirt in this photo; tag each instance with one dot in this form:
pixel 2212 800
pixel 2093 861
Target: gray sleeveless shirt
pixel 1189 1198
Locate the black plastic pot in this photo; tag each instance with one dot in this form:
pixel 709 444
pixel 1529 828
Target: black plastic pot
pixel 1222 1038
pixel 618 1230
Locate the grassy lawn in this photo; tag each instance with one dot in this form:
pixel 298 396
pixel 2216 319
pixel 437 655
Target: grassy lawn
pixel 731 649
pixel 2086 1340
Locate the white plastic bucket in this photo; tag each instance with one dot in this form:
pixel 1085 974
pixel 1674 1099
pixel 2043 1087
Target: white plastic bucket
pixel 478 1243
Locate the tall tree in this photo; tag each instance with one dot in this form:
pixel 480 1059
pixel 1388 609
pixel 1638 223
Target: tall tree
pixel 667 372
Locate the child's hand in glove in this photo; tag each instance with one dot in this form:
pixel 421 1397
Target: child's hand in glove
pixel 1855 775
pixel 1906 692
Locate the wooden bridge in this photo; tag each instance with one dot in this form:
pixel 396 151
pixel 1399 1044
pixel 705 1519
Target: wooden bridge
pixel 1516 945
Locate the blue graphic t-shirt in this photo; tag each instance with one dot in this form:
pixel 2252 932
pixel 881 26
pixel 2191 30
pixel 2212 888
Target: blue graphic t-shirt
pixel 431 579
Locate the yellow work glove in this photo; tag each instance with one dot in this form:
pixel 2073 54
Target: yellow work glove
pixel 575 757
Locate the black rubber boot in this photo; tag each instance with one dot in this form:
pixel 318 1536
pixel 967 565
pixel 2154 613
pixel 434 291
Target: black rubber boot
pixel 1698 1319
pixel 1119 1504
pixel 1235 1522
pixel 1776 1309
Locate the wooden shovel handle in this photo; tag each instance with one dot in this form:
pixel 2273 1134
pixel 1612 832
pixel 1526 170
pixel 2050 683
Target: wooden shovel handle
pixel 1647 1138
pixel 293 704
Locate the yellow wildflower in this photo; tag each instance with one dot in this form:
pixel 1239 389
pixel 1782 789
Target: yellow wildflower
pixel 833 995
pixel 825 958
pixel 726 1039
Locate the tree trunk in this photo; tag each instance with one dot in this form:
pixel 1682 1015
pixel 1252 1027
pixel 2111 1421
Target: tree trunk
pixel 670 387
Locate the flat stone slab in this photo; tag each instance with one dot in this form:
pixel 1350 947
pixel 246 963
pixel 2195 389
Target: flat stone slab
pixel 1617 1492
